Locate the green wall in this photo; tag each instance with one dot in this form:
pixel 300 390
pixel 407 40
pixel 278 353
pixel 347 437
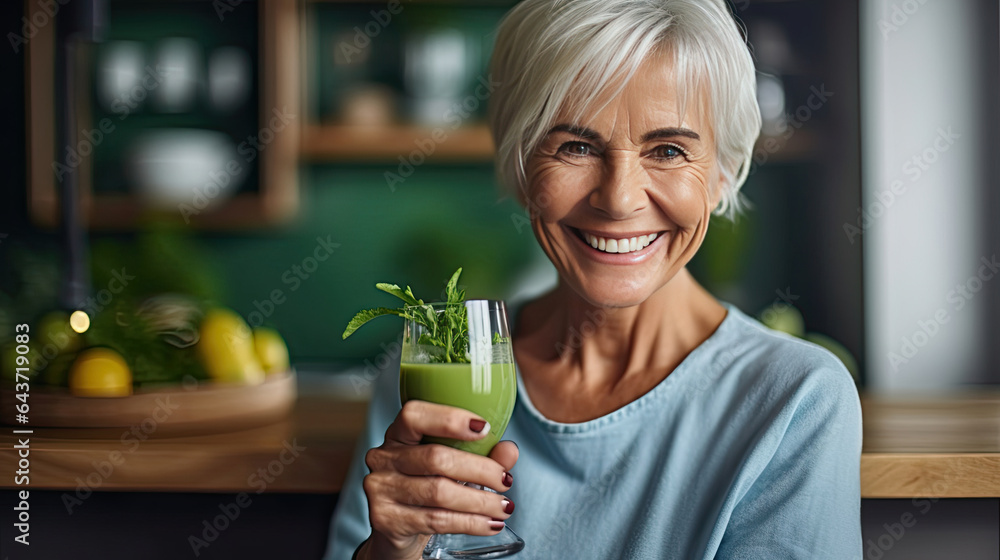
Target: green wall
pixel 441 218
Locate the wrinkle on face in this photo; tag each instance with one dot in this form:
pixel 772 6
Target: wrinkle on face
pixel 603 172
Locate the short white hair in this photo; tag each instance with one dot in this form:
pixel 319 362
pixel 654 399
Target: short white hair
pixel 548 50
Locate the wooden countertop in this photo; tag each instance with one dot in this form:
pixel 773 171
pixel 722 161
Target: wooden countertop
pixel 306 452
pixel 931 447
pixel 940 447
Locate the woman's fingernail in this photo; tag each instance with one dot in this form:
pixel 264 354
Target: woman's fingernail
pixel 508 506
pixel 507 479
pixel 479 426
pixel 496 524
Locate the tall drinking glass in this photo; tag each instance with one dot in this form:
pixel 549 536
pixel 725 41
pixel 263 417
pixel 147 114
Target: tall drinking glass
pixel 473 370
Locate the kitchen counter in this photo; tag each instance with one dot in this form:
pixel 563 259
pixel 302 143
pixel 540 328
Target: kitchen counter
pixel 943 447
pixel 306 452
pixel 929 447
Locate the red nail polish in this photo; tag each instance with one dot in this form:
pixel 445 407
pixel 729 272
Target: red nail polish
pixel 507 479
pixel 496 525
pixel 477 425
pixel 508 506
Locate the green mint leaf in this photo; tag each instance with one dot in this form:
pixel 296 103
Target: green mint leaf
pixel 447 330
pixel 367 315
pixel 451 290
pixel 405 295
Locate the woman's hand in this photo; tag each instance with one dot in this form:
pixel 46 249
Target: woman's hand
pixel 412 490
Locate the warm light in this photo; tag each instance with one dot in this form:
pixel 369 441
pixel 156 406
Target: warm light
pixel 79 321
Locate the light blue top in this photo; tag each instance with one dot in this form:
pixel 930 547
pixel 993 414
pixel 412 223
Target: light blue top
pixel 749 450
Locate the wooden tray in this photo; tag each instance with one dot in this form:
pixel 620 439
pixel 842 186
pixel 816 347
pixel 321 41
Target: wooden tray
pixel 212 406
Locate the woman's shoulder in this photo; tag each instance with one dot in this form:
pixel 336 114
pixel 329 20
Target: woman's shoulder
pixel 779 385
pixel 773 362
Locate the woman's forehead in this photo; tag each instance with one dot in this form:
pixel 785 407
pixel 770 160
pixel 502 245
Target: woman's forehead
pixel 656 96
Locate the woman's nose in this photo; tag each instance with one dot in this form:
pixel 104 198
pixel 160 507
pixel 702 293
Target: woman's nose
pixel 622 190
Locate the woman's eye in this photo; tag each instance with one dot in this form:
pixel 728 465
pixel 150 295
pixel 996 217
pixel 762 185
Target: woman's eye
pixel 578 149
pixel 668 152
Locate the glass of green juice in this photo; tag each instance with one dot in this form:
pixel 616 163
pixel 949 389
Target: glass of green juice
pixel 459 354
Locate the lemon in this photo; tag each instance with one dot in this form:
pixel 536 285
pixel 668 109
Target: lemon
pixel 226 349
pixel 272 352
pixel 100 372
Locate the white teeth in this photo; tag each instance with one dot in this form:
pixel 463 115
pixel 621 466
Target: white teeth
pixel 627 245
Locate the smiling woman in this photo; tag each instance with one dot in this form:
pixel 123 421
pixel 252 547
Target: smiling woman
pixel 640 169
pixel 675 426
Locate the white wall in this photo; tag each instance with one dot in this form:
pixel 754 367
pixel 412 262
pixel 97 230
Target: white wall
pixel 918 90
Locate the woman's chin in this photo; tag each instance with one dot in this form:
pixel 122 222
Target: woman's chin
pixel 612 295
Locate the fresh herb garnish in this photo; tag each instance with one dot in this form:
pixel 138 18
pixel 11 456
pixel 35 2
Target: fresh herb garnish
pixel 446 327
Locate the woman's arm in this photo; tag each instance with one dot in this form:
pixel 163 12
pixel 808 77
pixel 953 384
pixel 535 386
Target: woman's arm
pixel 805 502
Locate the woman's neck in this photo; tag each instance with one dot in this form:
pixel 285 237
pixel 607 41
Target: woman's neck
pixel 603 348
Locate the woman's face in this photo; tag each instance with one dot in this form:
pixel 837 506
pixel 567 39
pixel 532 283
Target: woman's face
pixel 638 179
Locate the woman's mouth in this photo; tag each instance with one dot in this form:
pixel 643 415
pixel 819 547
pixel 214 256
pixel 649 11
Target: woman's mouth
pixel 617 244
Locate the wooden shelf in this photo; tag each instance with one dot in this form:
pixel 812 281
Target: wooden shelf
pixel 275 200
pixel 343 142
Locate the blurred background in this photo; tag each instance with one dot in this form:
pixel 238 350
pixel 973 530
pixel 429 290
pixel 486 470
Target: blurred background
pixel 280 157
pixel 362 124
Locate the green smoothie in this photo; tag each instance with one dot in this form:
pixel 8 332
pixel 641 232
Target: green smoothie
pixel 487 390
